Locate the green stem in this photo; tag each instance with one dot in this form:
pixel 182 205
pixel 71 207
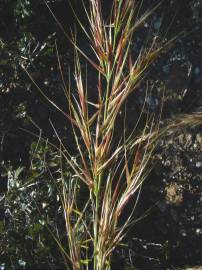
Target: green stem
pixel 96 222
pixel 107 97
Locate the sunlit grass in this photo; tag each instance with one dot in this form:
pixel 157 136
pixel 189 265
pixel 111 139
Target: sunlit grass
pixel 111 166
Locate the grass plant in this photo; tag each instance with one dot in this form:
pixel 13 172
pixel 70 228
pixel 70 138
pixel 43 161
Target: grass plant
pixel 111 164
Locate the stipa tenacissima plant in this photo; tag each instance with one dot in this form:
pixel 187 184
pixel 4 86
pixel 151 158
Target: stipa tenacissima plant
pixel 111 170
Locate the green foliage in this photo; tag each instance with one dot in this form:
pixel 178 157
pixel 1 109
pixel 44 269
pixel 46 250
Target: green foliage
pixel 32 209
pixel 23 8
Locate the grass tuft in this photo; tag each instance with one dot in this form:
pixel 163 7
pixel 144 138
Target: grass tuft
pixel 112 170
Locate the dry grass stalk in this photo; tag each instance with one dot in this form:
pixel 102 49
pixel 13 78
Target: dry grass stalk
pixel 112 172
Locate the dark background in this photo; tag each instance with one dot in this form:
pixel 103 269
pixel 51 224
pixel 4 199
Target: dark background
pixel 170 236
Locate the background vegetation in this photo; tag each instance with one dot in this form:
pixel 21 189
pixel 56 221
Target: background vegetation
pixel 170 236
